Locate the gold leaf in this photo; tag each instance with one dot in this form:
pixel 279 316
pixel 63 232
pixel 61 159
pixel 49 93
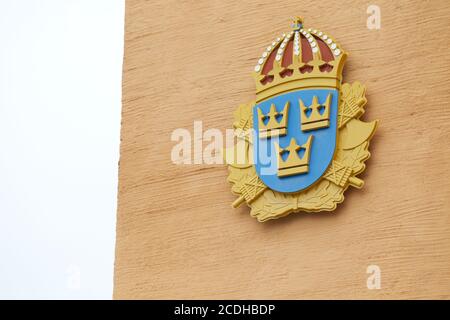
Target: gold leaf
pixel 243 116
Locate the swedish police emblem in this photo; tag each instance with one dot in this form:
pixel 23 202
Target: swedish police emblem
pixel 304 141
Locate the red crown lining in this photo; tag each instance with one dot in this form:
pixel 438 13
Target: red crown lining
pixel 325 51
pixel 288 51
pixel 268 66
pixel 306 53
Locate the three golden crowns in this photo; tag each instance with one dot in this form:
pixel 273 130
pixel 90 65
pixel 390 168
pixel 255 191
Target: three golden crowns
pixel 275 123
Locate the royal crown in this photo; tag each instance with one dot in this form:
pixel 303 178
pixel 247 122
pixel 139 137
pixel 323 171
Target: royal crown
pixel 294 164
pixel 274 123
pixel 299 59
pixel 316 115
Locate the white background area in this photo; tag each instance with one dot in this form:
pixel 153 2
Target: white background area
pixel 60 105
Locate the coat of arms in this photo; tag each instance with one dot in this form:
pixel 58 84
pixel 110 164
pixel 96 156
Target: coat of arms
pixel 301 142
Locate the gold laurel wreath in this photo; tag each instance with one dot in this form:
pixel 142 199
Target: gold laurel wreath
pixel 352 151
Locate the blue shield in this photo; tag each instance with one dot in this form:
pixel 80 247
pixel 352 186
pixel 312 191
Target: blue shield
pixel 295 155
